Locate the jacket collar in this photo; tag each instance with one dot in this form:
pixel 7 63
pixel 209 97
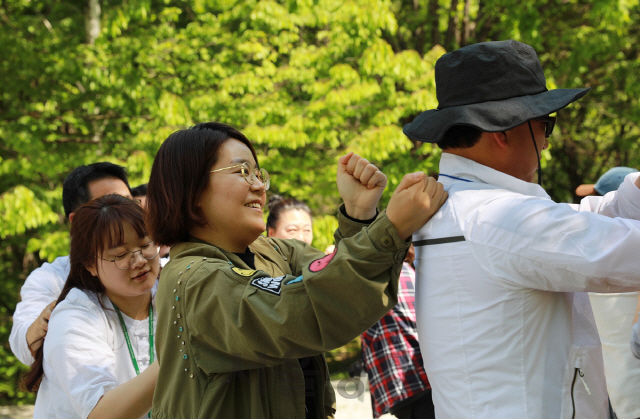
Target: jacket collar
pixel 463 168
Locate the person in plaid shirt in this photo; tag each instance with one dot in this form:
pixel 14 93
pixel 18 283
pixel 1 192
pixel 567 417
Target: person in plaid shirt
pixel 392 359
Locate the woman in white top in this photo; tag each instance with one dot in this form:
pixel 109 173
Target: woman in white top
pixel 97 358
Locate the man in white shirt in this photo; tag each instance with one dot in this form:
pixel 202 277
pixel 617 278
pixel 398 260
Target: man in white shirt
pixel 42 287
pixel 502 270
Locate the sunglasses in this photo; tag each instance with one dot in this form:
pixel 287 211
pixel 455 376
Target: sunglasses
pixel 549 123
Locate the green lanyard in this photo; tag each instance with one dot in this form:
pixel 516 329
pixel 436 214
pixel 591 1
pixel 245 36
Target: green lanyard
pixel 126 336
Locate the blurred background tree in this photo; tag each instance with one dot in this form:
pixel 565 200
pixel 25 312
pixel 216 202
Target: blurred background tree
pixel 306 80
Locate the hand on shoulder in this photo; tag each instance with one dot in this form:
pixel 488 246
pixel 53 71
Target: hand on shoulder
pixel 416 199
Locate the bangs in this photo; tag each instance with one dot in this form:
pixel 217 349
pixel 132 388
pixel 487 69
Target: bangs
pixel 109 227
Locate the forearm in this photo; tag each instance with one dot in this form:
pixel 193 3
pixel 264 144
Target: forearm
pixel 130 400
pixel 18 342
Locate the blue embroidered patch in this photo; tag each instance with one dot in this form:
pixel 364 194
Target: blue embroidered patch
pixel 293 281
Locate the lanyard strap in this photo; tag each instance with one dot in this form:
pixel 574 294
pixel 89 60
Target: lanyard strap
pixel 126 336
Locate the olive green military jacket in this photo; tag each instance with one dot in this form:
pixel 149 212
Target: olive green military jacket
pixel 229 337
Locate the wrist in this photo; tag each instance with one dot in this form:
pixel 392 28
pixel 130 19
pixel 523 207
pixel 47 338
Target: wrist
pixel 360 214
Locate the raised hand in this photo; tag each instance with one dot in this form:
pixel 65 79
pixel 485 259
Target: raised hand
pixel 414 202
pixel 360 184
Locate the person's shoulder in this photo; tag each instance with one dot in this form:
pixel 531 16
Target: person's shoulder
pixel 79 312
pixel 79 301
pixel 263 243
pixel 187 261
pixel 47 280
pixel 59 268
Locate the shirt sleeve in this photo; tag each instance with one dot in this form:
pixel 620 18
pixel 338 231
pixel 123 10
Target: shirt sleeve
pixel 531 242
pixel 624 203
pixel 78 356
pixel 328 301
pixel 41 288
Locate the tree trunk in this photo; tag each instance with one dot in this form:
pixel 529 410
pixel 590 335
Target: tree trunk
pixel 434 22
pixel 466 27
pixel 92 21
pixel 453 36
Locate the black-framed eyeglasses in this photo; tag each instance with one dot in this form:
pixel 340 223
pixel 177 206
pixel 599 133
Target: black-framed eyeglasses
pixel 549 123
pixel 124 260
pixel 250 174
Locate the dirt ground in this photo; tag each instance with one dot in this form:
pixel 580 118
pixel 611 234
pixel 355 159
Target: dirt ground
pixel 16 412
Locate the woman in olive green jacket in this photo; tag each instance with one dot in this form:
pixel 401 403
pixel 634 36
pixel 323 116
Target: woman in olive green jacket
pixel 243 319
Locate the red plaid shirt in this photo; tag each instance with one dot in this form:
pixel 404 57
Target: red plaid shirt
pixel 391 352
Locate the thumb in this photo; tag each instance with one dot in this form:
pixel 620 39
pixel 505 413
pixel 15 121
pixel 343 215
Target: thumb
pixel 409 180
pixel 343 160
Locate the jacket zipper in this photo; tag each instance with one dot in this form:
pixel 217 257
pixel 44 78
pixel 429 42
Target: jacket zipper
pixel 578 372
pixel 573 384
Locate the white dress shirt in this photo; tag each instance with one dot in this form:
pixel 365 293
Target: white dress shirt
pixel 508 329
pixel 41 288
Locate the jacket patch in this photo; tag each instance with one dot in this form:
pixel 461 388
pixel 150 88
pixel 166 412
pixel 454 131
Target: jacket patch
pixel 272 285
pixel 320 264
pixel 243 272
pixel 295 281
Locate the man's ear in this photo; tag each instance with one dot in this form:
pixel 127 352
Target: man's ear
pixel 271 231
pixel 500 139
pixel 71 215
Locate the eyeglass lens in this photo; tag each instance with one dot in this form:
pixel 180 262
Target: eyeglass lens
pixel 125 261
pixel 250 174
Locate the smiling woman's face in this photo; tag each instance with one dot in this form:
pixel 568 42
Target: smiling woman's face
pixel 231 206
pixel 138 279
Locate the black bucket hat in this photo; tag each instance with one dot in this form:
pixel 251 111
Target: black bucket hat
pixel 492 86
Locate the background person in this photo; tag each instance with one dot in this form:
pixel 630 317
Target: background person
pixel 42 287
pixel 614 313
pixel 609 181
pixel 97 359
pixel 139 193
pixel 244 319
pixel 392 358
pixel 289 219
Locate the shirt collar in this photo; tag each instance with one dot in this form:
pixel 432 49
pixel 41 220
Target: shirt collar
pixel 461 167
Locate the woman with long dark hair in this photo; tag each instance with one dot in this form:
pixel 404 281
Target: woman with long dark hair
pixel 244 319
pixel 97 357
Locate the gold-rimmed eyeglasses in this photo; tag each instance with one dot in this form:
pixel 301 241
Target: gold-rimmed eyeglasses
pixel 250 174
pixel 124 260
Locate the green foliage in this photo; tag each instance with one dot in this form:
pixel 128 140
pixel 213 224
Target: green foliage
pixel 306 80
